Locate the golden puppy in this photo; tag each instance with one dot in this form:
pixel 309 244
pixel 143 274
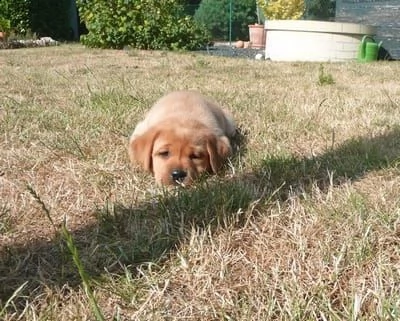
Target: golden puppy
pixel 183 135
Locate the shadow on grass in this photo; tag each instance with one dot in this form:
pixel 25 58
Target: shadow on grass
pixel 131 235
pixel 348 161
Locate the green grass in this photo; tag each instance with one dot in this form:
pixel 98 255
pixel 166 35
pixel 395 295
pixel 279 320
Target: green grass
pixel 302 225
pixel 324 78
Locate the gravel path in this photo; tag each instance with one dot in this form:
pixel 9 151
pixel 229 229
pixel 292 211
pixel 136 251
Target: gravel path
pixel 226 50
pixel 218 49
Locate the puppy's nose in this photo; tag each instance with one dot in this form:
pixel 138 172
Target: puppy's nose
pixel 178 175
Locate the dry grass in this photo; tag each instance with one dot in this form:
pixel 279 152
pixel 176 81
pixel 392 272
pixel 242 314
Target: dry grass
pixel 304 225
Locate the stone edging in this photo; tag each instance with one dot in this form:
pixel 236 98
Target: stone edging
pixel 31 43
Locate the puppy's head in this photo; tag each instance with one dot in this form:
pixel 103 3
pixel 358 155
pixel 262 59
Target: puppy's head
pixel 178 154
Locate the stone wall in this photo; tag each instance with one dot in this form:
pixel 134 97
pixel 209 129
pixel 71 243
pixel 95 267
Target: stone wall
pixel 384 14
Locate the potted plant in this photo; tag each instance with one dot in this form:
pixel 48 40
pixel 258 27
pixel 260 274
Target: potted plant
pixel 257 32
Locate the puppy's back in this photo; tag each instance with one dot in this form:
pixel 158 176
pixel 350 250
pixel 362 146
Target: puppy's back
pixel 188 106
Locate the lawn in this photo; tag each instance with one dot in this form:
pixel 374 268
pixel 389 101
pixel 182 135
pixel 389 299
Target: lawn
pixel 304 223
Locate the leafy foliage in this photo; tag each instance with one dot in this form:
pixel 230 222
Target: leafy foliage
pixel 4 21
pixel 51 18
pixel 324 78
pixel 17 14
pixel 214 14
pixel 282 9
pixel 4 24
pixel 44 17
pixel 191 6
pixel 320 9
pixel 142 24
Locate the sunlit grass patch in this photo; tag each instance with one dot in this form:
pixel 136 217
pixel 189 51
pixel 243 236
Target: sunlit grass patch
pixel 302 224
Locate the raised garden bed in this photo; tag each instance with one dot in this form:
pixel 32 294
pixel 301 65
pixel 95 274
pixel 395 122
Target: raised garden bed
pixel 305 40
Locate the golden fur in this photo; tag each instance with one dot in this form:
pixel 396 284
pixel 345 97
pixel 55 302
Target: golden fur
pixel 183 135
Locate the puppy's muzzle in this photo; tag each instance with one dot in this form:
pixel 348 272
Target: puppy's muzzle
pixel 178 175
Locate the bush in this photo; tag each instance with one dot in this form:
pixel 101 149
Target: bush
pixel 214 14
pixel 44 17
pixel 282 9
pixel 191 6
pixel 50 18
pixel 4 24
pixel 142 24
pixel 320 9
pixel 17 12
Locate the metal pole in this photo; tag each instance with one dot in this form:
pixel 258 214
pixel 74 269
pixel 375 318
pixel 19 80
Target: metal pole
pixel 230 22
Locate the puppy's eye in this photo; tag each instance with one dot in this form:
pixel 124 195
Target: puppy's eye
pixel 164 154
pixel 195 156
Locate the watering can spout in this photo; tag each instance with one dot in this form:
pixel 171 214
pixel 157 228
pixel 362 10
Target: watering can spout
pixel 368 49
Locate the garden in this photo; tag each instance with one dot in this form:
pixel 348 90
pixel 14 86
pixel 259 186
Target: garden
pixel 146 24
pixel 302 224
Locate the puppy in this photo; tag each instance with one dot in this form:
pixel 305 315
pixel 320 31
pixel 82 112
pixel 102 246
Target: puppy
pixel 182 136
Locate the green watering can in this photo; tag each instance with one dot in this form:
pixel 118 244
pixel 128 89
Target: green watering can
pixel 368 50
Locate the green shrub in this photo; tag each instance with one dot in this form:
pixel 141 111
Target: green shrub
pixel 44 17
pixel 17 12
pixel 142 24
pixel 4 24
pixel 214 14
pixel 191 6
pixel 282 9
pixel 320 9
pixel 50 18
pixel 323 77
pixel 4 20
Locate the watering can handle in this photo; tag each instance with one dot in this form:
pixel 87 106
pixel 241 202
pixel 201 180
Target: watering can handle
pixel 365 38
pixel 361 51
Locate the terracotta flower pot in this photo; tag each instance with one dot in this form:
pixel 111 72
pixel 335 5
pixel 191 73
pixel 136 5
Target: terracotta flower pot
pixel 257 36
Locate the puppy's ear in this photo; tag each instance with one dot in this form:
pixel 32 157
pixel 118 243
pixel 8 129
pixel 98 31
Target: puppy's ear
pixel 140 149
pixel 218 149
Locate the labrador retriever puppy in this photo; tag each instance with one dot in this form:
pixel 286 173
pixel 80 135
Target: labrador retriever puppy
pixel 182 136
